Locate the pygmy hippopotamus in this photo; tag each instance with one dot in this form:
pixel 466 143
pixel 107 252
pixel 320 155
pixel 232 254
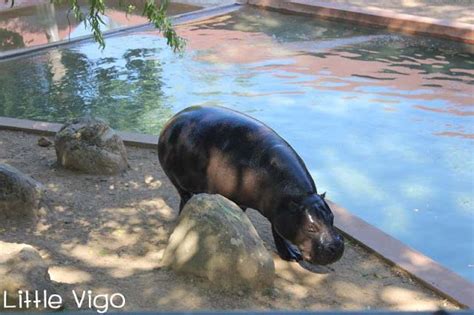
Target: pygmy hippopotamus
pixel 220 151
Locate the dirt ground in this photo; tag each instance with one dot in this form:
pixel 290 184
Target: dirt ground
pixel 107 234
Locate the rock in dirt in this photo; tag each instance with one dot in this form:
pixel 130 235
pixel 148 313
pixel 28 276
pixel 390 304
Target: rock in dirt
pixel 22 268
pixel 44 142
pixel 91 146
pixel 20 195
pixel 215 239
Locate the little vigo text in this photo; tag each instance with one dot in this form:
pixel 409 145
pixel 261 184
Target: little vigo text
pixel 31 300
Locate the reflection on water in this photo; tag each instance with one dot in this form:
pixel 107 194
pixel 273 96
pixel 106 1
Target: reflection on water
pixel 383 121
pixel 62 84
pixel 47 22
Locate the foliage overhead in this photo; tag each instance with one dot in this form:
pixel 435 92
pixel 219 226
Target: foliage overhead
pixel 156 14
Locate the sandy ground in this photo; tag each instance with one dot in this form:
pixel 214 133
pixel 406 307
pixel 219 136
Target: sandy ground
pixel 107 234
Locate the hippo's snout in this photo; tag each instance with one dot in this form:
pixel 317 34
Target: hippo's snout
pixel 328 252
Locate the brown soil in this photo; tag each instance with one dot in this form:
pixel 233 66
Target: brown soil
pixel 107 234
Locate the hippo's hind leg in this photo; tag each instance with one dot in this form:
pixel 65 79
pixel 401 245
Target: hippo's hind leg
pixel 286 250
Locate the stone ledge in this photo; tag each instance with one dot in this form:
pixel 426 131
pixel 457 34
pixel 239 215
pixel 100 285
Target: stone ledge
pixel 429 272
pixel 179 19
pixel 391 20
pixel 50 129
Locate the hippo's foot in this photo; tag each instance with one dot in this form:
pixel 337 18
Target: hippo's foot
pixel 294 253
pixel 286 250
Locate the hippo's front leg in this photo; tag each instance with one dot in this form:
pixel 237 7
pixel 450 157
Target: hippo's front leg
pixel 285 249
pixel 185 196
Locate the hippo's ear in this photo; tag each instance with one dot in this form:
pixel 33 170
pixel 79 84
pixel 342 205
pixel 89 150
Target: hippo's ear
pixel 323 195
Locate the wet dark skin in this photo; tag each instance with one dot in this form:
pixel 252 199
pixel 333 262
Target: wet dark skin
pixel 220 151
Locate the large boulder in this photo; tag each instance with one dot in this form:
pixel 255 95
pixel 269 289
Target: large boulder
pixel 89 145
pixel 20 195
pixel 214 239
pixel 22 268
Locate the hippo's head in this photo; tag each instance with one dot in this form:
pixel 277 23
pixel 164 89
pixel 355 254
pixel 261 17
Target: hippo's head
pixel 309 224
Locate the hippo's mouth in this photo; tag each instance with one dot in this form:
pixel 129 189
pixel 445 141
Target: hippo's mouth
pixel 321 257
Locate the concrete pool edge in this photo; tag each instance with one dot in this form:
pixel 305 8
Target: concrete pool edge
pixel 391 20
pixel 178 19
pixel 50 129
pixel 430 273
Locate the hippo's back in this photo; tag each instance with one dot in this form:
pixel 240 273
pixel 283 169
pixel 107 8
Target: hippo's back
pixel 218 150
pixel 216 126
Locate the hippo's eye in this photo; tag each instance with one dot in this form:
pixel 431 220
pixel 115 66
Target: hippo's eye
pixel 295 207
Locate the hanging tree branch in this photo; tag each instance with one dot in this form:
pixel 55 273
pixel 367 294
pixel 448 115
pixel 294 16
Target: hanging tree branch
pixel 155 14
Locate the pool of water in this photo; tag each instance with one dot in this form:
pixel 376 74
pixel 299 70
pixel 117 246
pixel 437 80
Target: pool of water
pixel 383 121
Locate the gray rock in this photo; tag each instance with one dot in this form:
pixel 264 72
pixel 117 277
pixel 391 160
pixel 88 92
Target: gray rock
pixel 214 239
pixel 91 146
pixel 22 268
pixel 20 195
pixel 44 142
